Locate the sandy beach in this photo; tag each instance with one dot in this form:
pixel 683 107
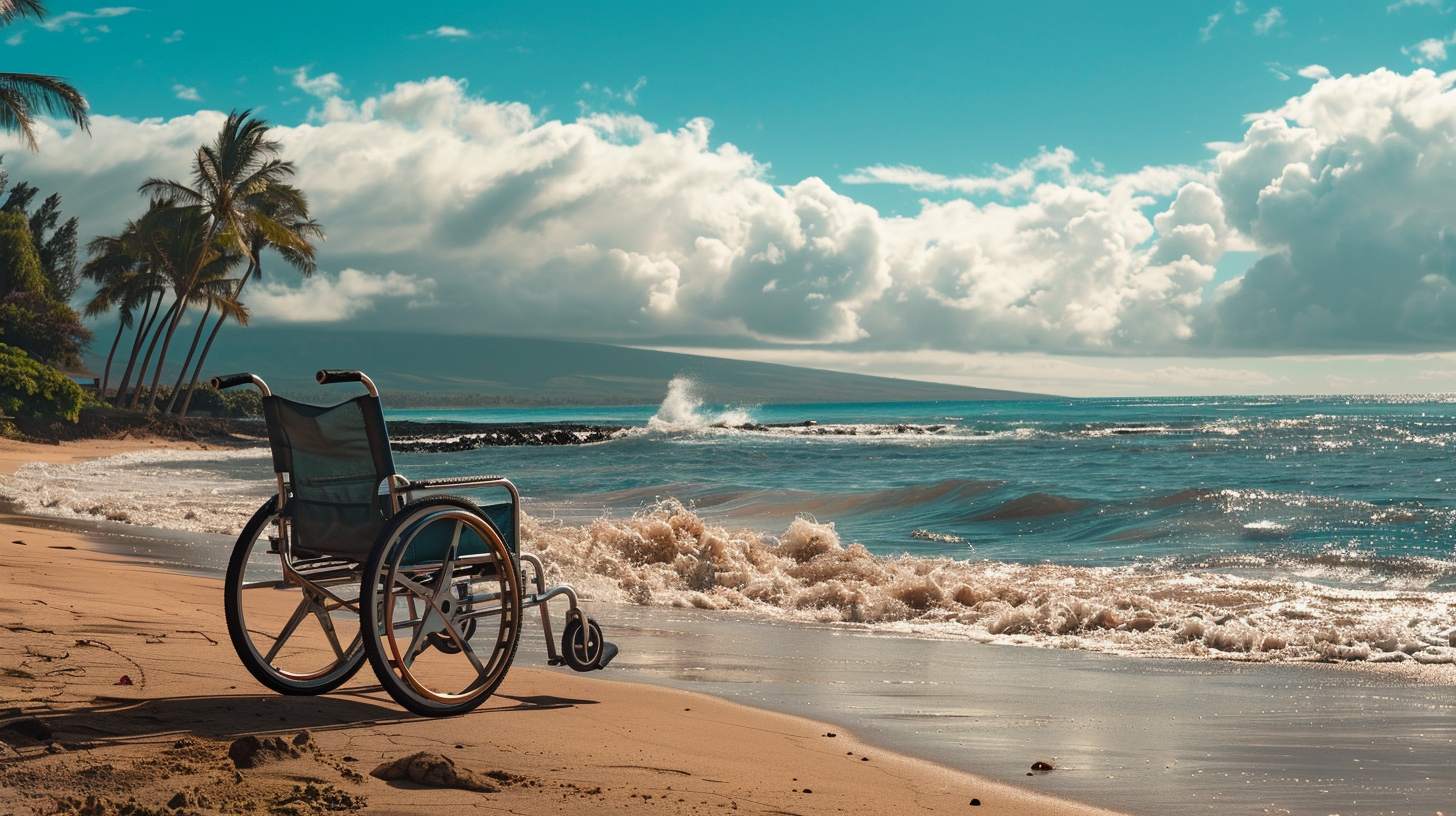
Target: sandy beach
pixel 118 685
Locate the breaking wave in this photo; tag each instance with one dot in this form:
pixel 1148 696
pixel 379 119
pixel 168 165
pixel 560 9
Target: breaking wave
pixel 682 410
pixel 667 555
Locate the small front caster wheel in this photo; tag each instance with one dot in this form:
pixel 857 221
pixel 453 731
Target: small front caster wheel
pixel 583 648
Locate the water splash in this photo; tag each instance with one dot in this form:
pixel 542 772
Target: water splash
pixel 682 410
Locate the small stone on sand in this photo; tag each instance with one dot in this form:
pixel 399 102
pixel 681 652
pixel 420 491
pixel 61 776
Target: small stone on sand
pixel 252 751
pixel 433 770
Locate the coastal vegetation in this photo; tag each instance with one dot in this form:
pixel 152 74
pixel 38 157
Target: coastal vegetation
pixel 40 333
pixel 173 276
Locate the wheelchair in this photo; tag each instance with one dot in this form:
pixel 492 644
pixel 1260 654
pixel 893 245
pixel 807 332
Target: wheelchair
pixel 352 561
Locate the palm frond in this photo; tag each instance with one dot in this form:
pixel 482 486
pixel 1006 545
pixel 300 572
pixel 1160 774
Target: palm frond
pixel 25 96
pixel 10 10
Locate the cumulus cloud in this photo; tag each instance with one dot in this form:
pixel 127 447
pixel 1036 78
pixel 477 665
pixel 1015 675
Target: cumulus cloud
pixel 1315 72
pixel 324 86
pixel 1269 21
pixel 497 219
pixel 1429 51
pixel 322 300
pixel 175 36
pixel 1347 190
pixel 187 93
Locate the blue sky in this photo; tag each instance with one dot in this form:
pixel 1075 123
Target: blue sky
pixel 812 88
pixel 814 164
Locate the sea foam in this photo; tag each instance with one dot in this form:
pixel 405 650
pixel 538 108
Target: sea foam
pixel 668 555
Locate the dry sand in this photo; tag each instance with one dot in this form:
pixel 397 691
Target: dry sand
pixel 121 694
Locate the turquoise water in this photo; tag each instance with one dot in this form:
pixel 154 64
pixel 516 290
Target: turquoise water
pixel 1351 490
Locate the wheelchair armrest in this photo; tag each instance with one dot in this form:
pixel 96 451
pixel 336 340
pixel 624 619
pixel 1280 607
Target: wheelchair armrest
pixel 453 482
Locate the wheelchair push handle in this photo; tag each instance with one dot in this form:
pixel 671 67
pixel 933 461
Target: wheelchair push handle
pixel 226 381
pixel 329 376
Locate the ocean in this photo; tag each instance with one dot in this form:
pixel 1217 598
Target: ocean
pixel 1243 604
pixel 1267 529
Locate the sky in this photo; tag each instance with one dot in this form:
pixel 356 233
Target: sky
pixel 1088 199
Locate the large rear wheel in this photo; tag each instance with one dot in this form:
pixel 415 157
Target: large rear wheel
pixel 296 628
pixel 441 607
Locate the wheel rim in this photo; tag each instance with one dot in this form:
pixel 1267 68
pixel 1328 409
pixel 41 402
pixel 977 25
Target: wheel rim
pixel 446 577
pixel 585 644
pixel 299 627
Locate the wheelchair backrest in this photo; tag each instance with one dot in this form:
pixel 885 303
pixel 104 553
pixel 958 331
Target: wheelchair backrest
pixel 335 458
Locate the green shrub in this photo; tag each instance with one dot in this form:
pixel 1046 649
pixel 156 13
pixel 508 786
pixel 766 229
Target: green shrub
pixel 241 403
pixel 31 389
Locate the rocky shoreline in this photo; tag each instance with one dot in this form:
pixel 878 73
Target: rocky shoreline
pixel 407 436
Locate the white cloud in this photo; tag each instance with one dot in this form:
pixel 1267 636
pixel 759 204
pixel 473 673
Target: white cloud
pixel 324 86
pixel 1429 51
pixel 628 95
pixel 1346 188
pixel 450 33
pixel 175 36
pixel 1206 33
pixel 184 92
pixel 16 39
pixel 321 300
pixel 1315 72
pixel 1438 5
pixel 75 18
pixel 609 227
pixel 1055 166
pixel 1268 21
pixel 1240 8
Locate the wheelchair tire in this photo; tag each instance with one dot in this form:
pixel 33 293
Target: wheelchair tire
pixel 439 566
pixel 301 658
pixel 582 647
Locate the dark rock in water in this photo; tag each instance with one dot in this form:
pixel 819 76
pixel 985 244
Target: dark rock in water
pixel 1042 766
pixel 434 770
pixel 449 437
pixel 1034 505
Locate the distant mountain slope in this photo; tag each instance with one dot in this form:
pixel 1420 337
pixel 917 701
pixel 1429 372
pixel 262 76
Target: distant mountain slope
pixel 421 369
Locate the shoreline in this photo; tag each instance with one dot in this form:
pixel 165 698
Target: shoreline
pixel 75 620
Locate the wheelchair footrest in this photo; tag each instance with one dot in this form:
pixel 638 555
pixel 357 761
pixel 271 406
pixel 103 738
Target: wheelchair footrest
pixel 609 651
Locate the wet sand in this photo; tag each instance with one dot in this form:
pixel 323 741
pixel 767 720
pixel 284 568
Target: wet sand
pixel 118 683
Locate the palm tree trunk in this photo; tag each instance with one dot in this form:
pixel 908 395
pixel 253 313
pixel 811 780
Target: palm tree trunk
pixel 196 372
pixel 151 347
pixel 106 372
pixel 162 357
pixel 187 362
pixel 149 314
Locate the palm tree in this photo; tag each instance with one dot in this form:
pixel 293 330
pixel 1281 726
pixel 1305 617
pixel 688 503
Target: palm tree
pixel 23 96
pixel 120 268
pixel 240 183
pixel 232 177
pixel 287 207
pixel 195 261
